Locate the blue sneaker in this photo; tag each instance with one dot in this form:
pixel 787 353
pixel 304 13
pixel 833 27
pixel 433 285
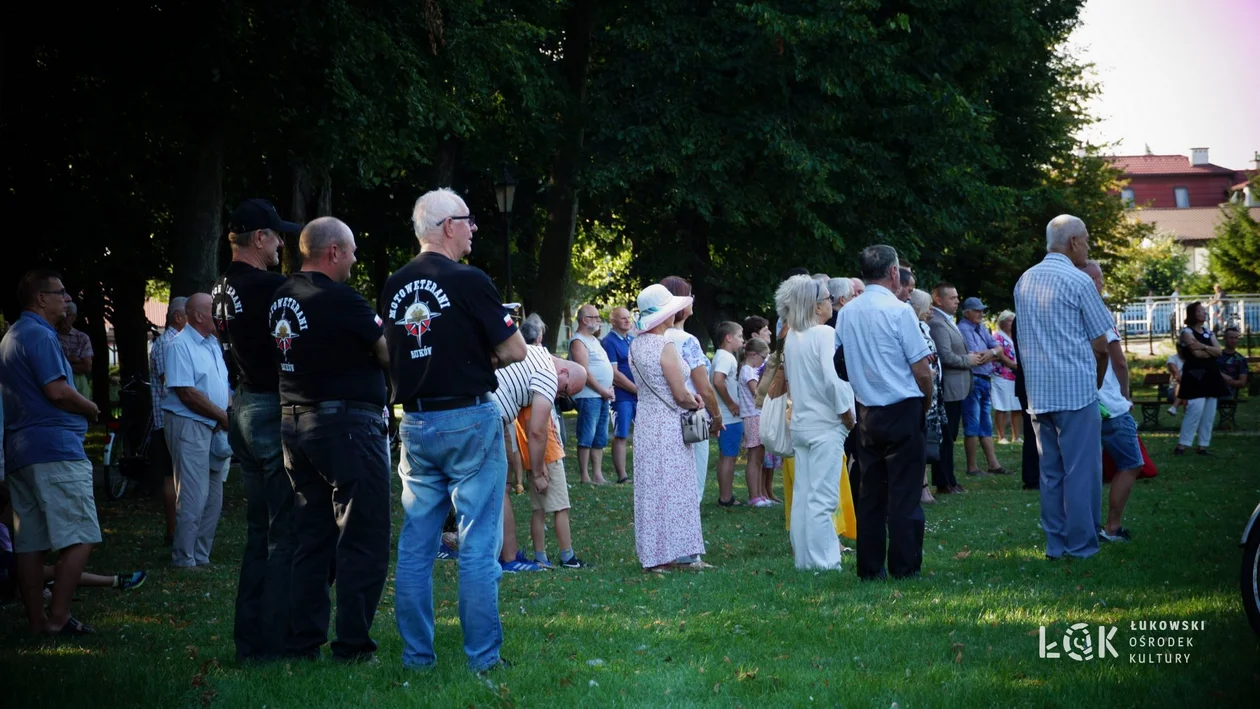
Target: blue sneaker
pixel 445 552
pixel 519 564
pixel 131 581
pixel 544 564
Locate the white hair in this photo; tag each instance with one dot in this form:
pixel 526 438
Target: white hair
pixel 432 209
pixel 175 306
pixel 920 301
pixel 840 288
pixel 1061 229
pixel 796 301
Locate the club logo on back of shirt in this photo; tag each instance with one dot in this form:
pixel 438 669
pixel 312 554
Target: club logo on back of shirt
pixel 414 313
pixel 226 305
pixel 282 316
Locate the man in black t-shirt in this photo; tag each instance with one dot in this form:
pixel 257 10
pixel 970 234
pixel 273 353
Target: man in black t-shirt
pixel 331 358
pixel 241 300
pixel 447 331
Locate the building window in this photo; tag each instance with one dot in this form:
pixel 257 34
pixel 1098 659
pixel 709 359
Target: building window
pixel 1126 198
pixel 1183 197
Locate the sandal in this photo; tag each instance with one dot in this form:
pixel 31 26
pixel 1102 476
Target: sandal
pixel 662 569
pixel 999 471
pixel 623 481
pixel 698 565
pixel 75 627
pixel 1179 450
pixel 730 503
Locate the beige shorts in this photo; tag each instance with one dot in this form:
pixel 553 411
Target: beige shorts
pixel 53 506
pixel 556 497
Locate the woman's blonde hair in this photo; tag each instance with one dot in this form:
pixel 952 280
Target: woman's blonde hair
pixel 1004 316
pixel 754 346
pixel 920 301
pixel 797 299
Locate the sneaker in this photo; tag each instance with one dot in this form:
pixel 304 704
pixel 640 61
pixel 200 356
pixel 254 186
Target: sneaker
pixel 544 564
pixel 761 502
pixel 1121 535
pixel 1003 442
pixel 446 552
pixel 574 563
pixel 1172 410
pixel 131 581
pixel 519 564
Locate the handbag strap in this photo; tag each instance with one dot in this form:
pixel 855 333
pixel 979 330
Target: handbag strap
pixel 651 388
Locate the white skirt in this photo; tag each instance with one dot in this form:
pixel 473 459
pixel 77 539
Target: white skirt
pixel 1003 395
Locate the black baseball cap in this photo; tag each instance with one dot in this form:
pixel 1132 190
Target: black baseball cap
pixel 255 214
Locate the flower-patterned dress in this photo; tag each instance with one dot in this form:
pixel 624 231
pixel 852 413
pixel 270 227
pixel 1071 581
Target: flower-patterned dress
pixel 666 500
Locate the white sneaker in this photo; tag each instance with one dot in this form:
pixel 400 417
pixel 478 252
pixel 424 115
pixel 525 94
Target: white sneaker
pixel 763 502
pixel 1172 410
pixel 1003 442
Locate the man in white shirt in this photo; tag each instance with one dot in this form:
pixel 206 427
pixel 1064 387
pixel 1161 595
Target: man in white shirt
pixel 594 399
pixel 196 422
pixel 887 362
pixel 1119 430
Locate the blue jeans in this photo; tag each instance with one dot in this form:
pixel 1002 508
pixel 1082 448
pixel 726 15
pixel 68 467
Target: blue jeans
pixel 592 423
pixel 1071 479
pixel 451 458
pixel 977 410
pixel 1120 440
pixel 262 595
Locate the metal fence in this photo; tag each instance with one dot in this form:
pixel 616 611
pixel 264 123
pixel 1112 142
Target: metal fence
pixel 1163 317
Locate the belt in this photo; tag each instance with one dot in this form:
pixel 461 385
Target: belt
pixel 328 407
pixel 445 403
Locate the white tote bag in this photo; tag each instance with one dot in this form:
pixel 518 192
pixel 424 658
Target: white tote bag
pixel 775 434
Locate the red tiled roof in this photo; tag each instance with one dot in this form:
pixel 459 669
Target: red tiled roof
pixel 1194 224
pixel 1163 165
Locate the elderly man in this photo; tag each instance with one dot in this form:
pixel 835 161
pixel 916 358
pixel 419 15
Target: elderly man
pixel 242 298
pixel 78 349
pixel 1119 430
pixel 888 368
pixel 859 286
pixel 159 453
pixel 447 331
pixel 617 346
pixel 195 422
pixel 49 475
pixel 841 291
pixel 1062 347
pixel 956 364
pixel 331 360
pixel 593 400
pixel 977 408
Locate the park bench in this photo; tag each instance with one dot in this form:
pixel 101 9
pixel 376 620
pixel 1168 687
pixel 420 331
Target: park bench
pixel 1152 407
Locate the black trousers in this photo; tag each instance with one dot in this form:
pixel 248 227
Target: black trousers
pixel 1031 472
pixel 338 462
pixel 890 451
pixel 855 465
pixel 943 470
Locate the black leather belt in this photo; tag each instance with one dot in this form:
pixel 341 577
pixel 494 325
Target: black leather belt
pixel 445 403
pixel 325 407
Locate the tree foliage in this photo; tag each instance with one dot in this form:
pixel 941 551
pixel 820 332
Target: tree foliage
pixel 1234 255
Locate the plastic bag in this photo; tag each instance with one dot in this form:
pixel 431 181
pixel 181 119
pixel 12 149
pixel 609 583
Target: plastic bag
pixel 775 434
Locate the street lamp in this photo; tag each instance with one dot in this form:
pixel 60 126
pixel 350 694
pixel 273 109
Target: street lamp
pixel 504 193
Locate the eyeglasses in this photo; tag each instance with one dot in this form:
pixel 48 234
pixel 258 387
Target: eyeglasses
pixel 590 317
pixel 472 221
pixel 62 292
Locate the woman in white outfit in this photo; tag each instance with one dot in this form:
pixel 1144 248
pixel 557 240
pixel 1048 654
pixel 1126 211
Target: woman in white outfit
pixel 822 416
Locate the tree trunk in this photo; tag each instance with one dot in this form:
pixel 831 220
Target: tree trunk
pixel 92 322
pixel 556 248
pixel 706 313
pixel 131 337
pixel 311 198
pixel 199 219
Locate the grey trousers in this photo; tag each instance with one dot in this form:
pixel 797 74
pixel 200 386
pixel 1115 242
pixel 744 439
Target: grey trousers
pixel 198 490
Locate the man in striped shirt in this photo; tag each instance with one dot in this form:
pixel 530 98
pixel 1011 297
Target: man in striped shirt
pixel 1063 327
pixel 159 454
pixel 535 382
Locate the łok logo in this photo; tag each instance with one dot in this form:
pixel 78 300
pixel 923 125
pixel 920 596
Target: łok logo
pixel 1079 644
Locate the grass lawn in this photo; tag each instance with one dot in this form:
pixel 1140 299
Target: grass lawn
pixel 753 632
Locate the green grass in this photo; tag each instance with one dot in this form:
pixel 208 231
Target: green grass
pixel 753 632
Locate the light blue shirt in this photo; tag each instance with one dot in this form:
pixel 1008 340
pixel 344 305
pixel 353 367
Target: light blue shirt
pixel 1059 312
pixel 197 362
pixel 881 339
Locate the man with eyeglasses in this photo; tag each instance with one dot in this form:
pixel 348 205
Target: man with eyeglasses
pixel 49 474
pixel 242 299
pixel 446 331
pixel 593 401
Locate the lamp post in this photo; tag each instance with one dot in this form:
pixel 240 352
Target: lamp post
pixel 504 192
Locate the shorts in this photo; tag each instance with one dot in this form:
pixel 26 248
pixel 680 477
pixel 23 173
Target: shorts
pixel 731 439
pixel 1120 440
pixel 592 423
pixel 752 431
pixel 556 497
pixel 623 413
pixel 53 506
pixel 1003 395
pixel 977 410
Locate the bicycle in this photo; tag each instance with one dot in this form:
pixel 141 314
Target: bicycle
pixel 1249 580
pixel 124 461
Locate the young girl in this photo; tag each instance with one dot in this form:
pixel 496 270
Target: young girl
pixel 760 491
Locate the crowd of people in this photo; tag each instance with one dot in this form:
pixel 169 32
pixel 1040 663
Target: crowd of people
pixel 294 379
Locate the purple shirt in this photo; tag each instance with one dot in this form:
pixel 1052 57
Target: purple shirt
pixel 978 339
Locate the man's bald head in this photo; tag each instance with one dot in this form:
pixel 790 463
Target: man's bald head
pixel 198 311
pixel 1094 271
pixel 327 246
pixel 621 320
pixel 570 376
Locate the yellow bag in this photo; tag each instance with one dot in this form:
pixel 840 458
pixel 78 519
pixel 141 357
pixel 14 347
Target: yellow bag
pixel 845 518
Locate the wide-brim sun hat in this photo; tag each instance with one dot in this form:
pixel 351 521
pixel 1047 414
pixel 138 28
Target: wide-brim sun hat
pixel 656 304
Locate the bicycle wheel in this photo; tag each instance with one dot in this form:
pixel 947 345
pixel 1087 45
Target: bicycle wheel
pixel 113 481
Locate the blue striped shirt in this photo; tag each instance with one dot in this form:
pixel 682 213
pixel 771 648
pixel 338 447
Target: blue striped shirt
pixel 1059 312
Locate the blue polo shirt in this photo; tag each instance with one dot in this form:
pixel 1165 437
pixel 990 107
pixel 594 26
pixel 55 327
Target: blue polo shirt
pixel 36 431
pixel 618 349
